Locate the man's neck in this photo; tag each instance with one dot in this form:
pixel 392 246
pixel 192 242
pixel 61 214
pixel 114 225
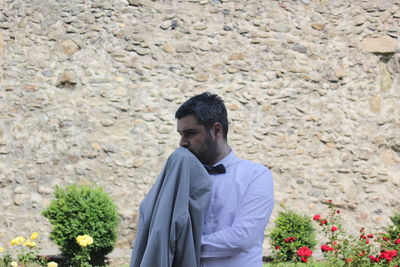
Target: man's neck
pixel 224 150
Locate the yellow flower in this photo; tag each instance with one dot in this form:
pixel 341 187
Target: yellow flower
pixel 34 236
pixel 14 264
pixel 1 249
pixel 52 264
pixel 89 240
pixel 84 240
pixel 29 244
pixel 83 243
pixel 17 241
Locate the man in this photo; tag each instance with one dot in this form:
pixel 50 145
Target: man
pixel 242 196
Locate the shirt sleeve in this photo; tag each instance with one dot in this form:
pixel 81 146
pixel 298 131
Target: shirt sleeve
pixel 249 223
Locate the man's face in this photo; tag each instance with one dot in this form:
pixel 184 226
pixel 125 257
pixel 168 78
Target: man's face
pixel 197 139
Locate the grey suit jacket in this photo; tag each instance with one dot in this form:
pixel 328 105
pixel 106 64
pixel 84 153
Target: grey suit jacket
pixel 171 215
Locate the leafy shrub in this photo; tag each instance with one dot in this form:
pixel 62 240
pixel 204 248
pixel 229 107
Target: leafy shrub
pixel 394 229
pixel 82 210
pixel 291 235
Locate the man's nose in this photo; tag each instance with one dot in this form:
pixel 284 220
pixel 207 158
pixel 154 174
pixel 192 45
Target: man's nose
pixel 184 143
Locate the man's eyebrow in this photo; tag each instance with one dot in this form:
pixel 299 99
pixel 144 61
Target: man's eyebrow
pixel 187 130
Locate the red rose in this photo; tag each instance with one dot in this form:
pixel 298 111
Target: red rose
pixel 370 236
pixel 316 217
pixel 377 260
pixel 388 255
pixel 304 259
pixel 277 247
pixel 393 253
pixel 290 239
pixel 397 241
pixel 334 228
pixel 385 238
pixel 338 211
pixel 326 248
pixel 304 252
pixel 374 259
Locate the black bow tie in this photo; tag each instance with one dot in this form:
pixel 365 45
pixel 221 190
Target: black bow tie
pixel 215 169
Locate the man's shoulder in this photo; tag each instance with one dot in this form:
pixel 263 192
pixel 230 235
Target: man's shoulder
pixel 252 166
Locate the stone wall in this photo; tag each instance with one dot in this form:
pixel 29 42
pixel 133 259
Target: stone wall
pixel 88 90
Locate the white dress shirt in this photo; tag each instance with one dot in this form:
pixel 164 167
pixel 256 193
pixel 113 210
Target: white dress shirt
pixel 241 204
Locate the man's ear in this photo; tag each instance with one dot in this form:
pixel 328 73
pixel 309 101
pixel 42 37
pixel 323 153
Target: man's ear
pixel 217 130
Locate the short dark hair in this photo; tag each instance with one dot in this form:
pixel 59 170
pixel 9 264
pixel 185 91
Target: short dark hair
pixel 207 108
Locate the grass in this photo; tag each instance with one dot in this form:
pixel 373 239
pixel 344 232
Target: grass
pixel 282 264
pixel 294 264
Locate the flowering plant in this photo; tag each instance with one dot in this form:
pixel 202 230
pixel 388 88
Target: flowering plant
pixel 394 229
pixel 82 258
pixel 304 253
pixel 292 237
pixel 366 249
pixel 78 210
pixel 26 250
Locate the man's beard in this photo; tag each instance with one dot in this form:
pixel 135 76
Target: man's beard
pixel 208 151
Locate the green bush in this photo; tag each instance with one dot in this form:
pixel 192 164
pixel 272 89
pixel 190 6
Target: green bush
pixel 290 233
pixel 79 210
pixel 394 229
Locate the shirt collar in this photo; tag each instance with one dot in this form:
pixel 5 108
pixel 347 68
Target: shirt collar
pixel 228 160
